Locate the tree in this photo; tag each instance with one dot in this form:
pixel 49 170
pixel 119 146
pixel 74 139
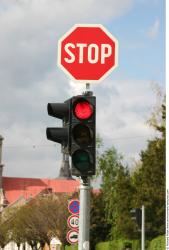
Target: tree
pixel 39 220
pixel 99 228
pixel 149 179
pixel 117 192
pixel 3 233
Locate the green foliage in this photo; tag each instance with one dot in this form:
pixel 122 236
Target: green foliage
pixel 146 186
pixel 118 245
pixel 103 246
pixel 99 228
pixel 71 247
pixel 149 182
pixel 117 192
pixel 158 243
pixel 3 233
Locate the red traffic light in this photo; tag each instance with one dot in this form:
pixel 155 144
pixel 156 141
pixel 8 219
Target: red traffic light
pixel 83 109
pixel 82 134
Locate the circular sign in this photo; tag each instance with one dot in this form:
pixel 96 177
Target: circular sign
pixel 74 206
pixel 88 53
pixel 73 221
pixel 72 236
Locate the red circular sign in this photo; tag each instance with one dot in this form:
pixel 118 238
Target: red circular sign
pixel 72 236
pixel 74 206
pixel 87 53
pixel 73 221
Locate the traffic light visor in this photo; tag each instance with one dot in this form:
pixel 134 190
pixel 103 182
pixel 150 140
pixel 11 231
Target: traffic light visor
pixel 83 109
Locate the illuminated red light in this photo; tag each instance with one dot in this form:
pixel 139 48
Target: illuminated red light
pixel 83 110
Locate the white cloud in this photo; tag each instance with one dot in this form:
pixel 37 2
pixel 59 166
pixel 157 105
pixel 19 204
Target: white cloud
pixel 29 79
pixel 123 108
pixel 30 30
pixel 154 30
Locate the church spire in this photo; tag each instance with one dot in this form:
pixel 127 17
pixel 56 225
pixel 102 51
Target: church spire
pixel 65 168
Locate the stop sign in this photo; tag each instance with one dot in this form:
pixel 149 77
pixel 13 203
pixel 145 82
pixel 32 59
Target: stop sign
pixel 87 53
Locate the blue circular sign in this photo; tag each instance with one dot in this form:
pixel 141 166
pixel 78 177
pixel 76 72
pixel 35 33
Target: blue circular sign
pixel 74 206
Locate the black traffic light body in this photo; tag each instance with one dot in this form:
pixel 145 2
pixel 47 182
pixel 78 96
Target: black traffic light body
pixel 78 132
pixel 59 134
pixel 136 215
pixel 82 135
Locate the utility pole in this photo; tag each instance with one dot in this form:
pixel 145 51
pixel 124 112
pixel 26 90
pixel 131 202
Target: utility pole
pixel 84 218
pixel 143 228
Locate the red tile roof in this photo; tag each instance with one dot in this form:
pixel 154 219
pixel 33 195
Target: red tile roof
pixel 14 187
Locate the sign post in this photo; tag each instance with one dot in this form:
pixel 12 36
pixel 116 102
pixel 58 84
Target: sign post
pixel 143 228
pixel 84 222
pixel 86 53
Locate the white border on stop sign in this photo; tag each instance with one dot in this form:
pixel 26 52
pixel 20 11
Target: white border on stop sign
pixel 87 80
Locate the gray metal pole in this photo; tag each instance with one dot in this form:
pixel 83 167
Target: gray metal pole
pixel 84 217
pixel 143 228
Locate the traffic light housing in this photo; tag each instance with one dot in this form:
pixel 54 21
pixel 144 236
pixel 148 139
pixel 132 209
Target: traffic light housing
pixel 82 137
pixel 59 134
pixel 78 133
pixel 136 215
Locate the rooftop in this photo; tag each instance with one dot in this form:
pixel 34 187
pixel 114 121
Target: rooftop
pixel 15 187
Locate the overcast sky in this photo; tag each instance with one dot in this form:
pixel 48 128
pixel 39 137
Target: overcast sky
pixel 30 78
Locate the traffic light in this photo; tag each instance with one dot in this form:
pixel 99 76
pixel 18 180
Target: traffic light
pixel 136 215
pixel 82 135
pixel 61 134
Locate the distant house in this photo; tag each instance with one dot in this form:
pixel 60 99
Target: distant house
pixel 17 191
pixel 15 188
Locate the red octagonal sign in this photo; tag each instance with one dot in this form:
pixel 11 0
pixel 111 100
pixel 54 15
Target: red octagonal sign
pixel 87 53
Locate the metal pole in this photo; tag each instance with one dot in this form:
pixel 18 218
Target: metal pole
pixel 84 217
pixel 143 228
pixel 87 86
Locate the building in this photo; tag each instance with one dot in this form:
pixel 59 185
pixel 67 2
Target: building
pixel 14 188
pixel 16 191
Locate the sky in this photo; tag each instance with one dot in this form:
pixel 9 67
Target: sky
pixel 30 77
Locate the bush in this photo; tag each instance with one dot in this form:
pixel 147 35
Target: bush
pixel 118 245
pixel 71 247
pixel 158 243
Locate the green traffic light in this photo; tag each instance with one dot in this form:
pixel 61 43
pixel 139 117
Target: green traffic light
pixel 81 160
